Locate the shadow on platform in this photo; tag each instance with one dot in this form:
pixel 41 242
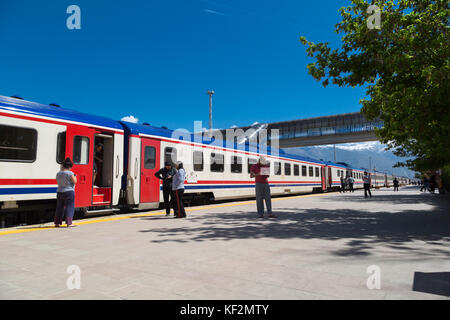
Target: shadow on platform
pixel 380 196
pixel 432 282
pixel 363 230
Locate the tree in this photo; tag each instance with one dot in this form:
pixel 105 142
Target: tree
pixel 404 65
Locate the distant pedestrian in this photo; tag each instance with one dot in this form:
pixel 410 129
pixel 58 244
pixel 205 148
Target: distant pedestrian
pixel 65 196
pixel 178 188
pixel 261 172
pixel 366 180
pixel 395 184
pixel 166 175
pixel 342 184
pixel 350 182
pixel 426 184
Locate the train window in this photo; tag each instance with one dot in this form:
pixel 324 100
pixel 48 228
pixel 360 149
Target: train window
pixel 311 171
pixel 251 162
pixel 170 155
pixel 17 144
pixel 277 168
pixel 217 164
pixel 80 150
pixel 287 169
pixel 61 147
pixel 198 160
pixel 149 158
pixel 236 164
pixel 304 171
pixel 317 172
pixel 296 170
pixel 339 173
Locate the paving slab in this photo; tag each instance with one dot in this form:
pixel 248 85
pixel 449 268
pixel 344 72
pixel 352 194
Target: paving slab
pixel 319 247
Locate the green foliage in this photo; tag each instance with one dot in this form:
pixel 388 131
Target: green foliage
pixel 405 68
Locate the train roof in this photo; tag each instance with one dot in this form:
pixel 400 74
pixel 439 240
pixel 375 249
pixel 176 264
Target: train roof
pixel 39 110
pixel 138 129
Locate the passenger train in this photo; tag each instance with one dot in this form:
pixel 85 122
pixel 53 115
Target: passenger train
pixel 36 138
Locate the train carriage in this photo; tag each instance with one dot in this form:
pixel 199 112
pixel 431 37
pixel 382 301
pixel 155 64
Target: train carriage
pixel 214 169
pixel 34 141
pixel 336 171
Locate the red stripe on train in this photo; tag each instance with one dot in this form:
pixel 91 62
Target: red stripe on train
pixel 27 181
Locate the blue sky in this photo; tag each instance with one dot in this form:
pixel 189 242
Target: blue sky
pixel 155 60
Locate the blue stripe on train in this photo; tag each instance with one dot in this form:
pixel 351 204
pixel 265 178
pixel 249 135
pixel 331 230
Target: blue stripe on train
pixel 27 190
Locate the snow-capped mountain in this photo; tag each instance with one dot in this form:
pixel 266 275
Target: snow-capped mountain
pixel 361 155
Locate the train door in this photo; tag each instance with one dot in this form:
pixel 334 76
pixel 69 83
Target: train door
pixel 80 148
pixel 104 169
pixel 324 178
pixel 330 178
pixel 150 155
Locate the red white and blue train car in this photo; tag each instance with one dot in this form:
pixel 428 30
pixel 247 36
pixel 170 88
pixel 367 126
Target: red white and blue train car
pixel 35 139
pixel 214 169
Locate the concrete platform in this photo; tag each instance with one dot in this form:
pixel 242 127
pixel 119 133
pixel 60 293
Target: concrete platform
pixel 319 247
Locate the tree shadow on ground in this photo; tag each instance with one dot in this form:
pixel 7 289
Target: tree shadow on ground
pixel 363 230
pixel 432 282
pixel 398 198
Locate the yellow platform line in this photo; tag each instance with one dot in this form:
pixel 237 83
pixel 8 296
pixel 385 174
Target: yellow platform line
pixel 156 213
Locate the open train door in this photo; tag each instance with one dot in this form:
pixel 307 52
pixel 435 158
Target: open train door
pixel 150 151
pixel 330 178
pixel 324 178
pixel 80 149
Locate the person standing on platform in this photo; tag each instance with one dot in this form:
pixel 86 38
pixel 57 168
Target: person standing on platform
pixel 366 180
pixel 426 184
pixel 65 196
pixel 342 184
pixel 395 184
pixel 166 175
pixel 261 171
pixel 178 189
pixel 350 182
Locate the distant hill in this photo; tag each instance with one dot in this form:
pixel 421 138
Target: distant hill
pixel 358 155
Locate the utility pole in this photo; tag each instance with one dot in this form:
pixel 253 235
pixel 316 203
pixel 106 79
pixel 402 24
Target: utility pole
pixel 210 93
pixel 334 153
